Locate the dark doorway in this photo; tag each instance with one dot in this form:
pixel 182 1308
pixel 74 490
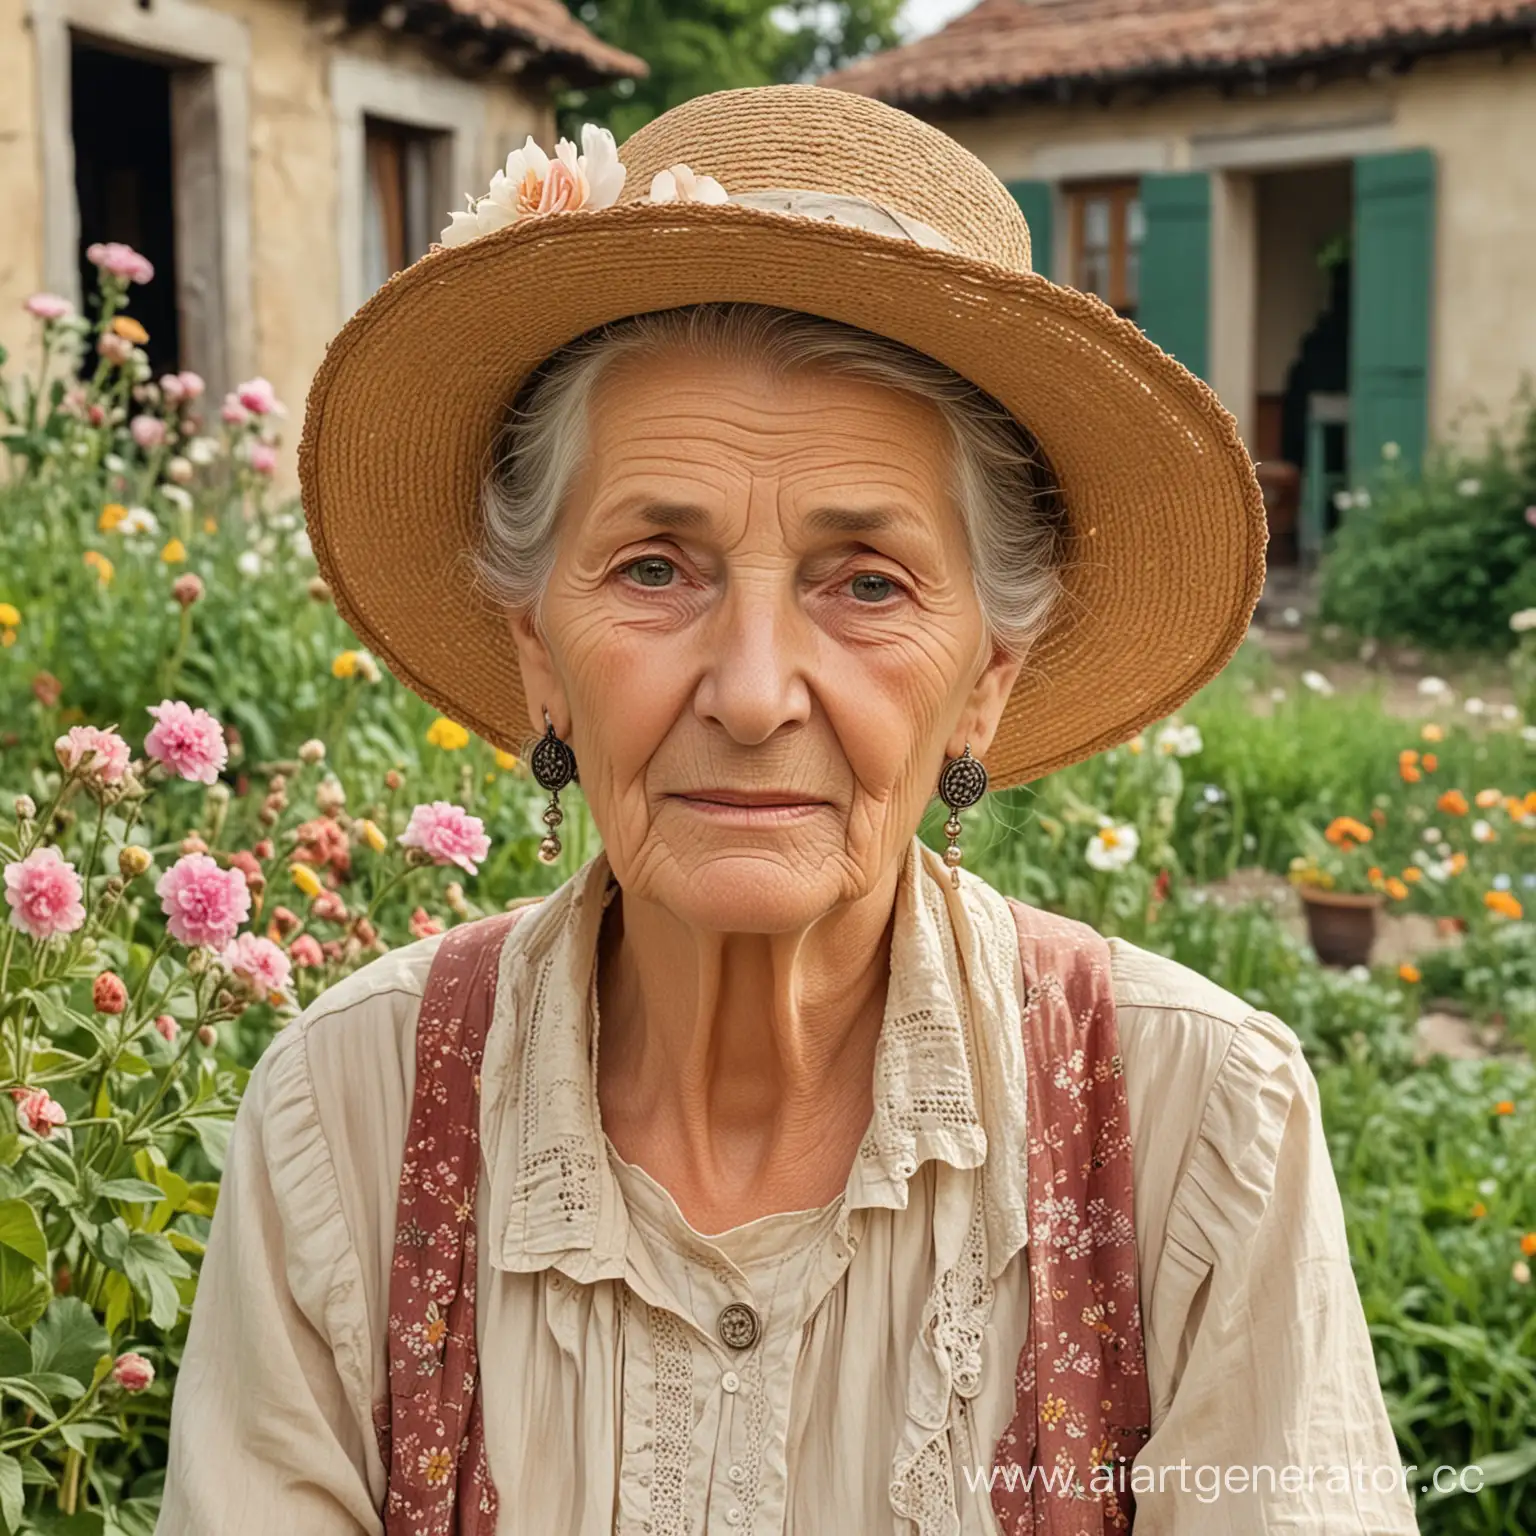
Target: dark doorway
pixel 124 180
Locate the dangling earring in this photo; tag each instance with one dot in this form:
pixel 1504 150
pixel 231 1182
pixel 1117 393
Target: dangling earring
pixel 962 782
pixel 554 766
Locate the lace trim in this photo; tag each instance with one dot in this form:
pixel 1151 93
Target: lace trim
pixel 673 1444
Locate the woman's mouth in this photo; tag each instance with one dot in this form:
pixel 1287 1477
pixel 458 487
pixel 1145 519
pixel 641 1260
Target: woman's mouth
pixel 757 807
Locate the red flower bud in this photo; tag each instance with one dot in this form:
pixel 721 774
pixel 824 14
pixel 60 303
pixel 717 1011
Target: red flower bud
pixel 109 994
pixel 132 1372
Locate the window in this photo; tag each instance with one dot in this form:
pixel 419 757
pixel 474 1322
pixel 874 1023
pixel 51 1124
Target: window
pixel 398 205
pixel 1107 227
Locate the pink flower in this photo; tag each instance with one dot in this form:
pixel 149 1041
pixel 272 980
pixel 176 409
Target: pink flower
pixel 233 413
pixel 187 588
pixel 305 952
pixel 449 833
pixel 44 893
pixel 49 306
pixel 203 904
pixel 121 261
pixel 1530 516
pixel 37 1111
pixel 190 742
pixel 147 431
pixel 100 756
pixel 423 925
pixel 328 907
pixel 132 1372
pixel 260 962
pixel 115 348
pixel 108 994
pixel 167 1028
pixel 192 384
pixel 258 397
pixel 249 866
pixel 263 458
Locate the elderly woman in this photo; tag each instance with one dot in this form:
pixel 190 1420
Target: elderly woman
pixel 776 1174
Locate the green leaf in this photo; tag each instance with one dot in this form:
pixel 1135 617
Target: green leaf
pixel 24 1290
pixel 213 1134
pixel 29 1393
pixel 15 1352
pixel 151 1265
pixel 137 1190
pixel 20 1229
pixel 69 1339
pixel 118 1295
pixel 12 1494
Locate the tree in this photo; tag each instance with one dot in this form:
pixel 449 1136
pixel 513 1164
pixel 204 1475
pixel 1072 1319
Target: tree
pixel 696 46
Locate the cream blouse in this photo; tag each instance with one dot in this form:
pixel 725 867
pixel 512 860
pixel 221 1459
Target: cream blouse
pixel 611 1403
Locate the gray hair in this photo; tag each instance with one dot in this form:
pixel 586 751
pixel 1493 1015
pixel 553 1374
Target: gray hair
pixel 1010 503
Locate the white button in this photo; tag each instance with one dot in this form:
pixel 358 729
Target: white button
pixel 906 1167
pixel 730 1381
pixel 735 1473
pixel 733 1516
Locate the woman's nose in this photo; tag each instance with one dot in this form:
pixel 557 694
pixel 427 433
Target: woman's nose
pixel 754 675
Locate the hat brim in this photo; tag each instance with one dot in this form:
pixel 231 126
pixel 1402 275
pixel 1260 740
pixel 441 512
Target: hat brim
pixel 1167 516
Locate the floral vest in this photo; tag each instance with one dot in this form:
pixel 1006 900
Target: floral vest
pixel 1082 1409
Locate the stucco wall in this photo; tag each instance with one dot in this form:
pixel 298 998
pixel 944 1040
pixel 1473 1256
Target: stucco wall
pixel 1477 112
pixel 296 255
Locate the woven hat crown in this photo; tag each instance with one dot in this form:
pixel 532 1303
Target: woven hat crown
pixel 809 138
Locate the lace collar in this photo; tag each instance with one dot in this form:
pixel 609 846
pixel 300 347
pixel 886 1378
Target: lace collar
pixel 949 1071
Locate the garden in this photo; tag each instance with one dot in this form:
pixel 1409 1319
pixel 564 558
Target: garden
pixel 213 805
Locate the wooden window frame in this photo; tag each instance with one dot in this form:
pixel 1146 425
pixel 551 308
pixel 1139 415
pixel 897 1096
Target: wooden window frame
pixel 1121 192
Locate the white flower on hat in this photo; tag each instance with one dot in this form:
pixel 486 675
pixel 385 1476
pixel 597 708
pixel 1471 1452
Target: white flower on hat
pixel 532 183
pixel 678 184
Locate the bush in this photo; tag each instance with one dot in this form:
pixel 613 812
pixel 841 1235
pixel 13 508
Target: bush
pixel 1444 560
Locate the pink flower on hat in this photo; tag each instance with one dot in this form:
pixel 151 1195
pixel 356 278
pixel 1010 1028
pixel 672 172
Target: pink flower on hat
pixel 190 742
pixel 49 306
pixel 44 895
pixel 532 183
pixel 203 904
pixel 121 261
pixel 100 756
pixel 449 834
pixel 258 961
pixel 37 1111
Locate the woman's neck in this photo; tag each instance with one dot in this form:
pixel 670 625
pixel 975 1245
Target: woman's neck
pixel 737 1069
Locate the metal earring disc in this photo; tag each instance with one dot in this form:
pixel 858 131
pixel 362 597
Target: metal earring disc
pixel 963 781
pixel 552 761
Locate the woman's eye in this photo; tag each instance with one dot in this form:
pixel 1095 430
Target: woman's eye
pixel 652 571
pixel 871 586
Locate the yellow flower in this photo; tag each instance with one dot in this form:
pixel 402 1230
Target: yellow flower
pixel 1487 799
pixel 1413 874
pixel 174 553
pixel 103 567
pixel 306 879
pixel 372 835
pixel 345 665
pixel 447 734
pixel 506 760
pixel 111 515
pixel 1433 733
pixel 210 525
pixel 10 616
pixel 1479 1210
pixel 130 330
pixel 7 638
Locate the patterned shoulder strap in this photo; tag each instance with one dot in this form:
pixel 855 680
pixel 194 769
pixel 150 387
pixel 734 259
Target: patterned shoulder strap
pixel 1082 1410
pixel 430 1434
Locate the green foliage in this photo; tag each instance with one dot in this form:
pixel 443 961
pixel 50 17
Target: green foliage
pixel 697 46
pixel 1446 559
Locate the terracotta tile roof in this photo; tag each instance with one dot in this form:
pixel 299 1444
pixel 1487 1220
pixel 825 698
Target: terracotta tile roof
pixel 1006 47
pixel 552 30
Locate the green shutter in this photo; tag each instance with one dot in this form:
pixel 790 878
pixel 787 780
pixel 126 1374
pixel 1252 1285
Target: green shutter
pixel 1174 308
pixel 1036 198
pixel 1392 280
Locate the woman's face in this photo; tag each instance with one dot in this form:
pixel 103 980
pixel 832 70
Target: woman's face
pixel 761 636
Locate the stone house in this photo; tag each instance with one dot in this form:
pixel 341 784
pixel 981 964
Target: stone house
pixel 1327 208
pixel 275 159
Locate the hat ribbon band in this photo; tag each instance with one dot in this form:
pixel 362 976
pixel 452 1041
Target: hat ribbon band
pixel 838 208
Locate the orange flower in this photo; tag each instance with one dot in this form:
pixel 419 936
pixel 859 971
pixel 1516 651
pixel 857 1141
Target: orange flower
pixel 1407 755
pixel 1504 904
pixel 1433 733
pixel 1410 774
pixel 1504 1107
pixel 1410 973
pixel 1345 832
pixel 1479 1210
pixel 1487 799
pixel 1515 806
pixel 1458 862
pixel 1373 874
pixel 1379 816
pixel 1396 889
pixel 1413 874
pixel 1453 803
pixel 1430 762
pixel 130 330
pixel 1528 1245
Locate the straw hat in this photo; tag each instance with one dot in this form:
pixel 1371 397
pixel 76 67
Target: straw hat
pixel 892 227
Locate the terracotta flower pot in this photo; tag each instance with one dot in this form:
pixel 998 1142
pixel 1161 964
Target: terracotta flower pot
pixel 1341 924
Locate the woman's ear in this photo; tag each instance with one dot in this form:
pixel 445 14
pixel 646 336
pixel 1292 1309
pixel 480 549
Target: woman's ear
pixel 541 685
pixel 984 708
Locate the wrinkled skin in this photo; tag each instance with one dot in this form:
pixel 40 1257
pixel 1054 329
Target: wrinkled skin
pixel 760 585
